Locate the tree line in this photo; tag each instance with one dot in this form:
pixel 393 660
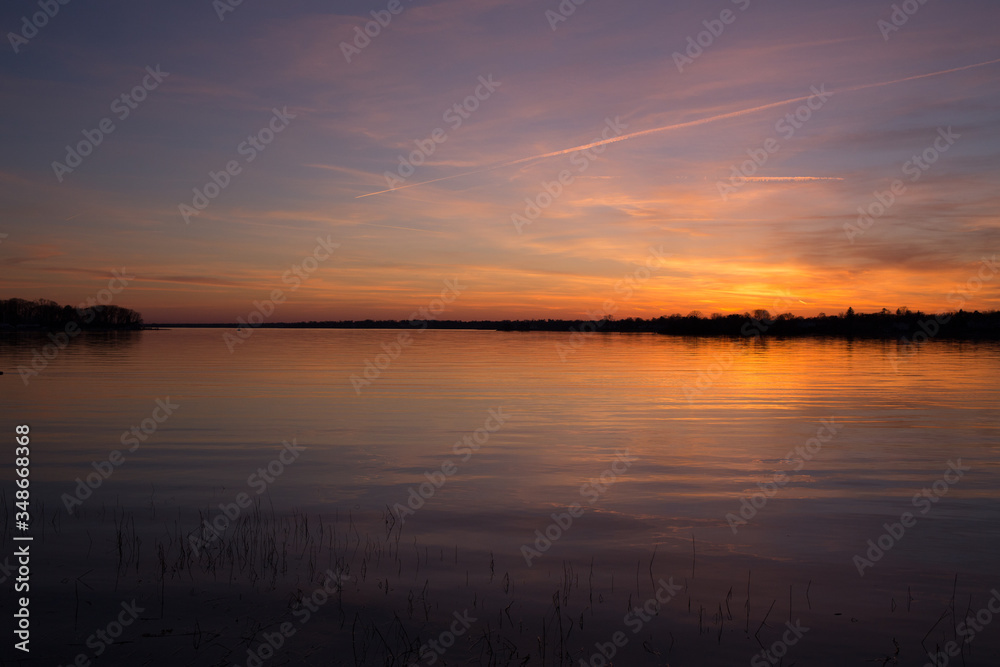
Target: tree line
pixel 48 314
pixel 901 323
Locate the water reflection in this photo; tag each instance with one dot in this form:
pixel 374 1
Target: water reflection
pixel 710 423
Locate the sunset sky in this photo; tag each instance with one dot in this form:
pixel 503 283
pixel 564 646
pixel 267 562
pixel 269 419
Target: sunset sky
pixel 343 125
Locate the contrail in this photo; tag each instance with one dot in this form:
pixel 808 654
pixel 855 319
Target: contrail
pixel 434 180
pixel 412 229
pixel 922 76
pixel 678 126
pixel 793 178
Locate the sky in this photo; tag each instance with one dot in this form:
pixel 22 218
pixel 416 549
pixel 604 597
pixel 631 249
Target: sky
pixel 736 142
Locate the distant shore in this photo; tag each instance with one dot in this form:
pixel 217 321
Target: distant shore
pixel 19 315
pixel 911 325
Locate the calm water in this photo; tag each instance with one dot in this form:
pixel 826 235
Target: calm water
pixel 700 422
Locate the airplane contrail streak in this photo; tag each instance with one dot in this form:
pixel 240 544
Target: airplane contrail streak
pixel 433 180
pixel 793 178
pixel 678 126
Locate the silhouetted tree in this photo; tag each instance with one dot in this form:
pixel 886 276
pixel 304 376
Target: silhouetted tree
pixel 47 314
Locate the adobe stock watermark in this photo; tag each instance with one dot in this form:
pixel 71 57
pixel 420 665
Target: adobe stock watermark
pixel 899 17
pixel 294 276
pixel 625 287
pixel 223 7
pixel 750 506
pixel 6 570
pixel 103 638
pixel 552 190
pixel 932 327
pixel 566 9
pixel 431 651
pixel 466 447
pixel 773 654
pixel 122 106
pixel 87 312
pixel 404 339
pixel 303 611
pixel 132 439
pixel 258 482
pixel 990 267
pixel 968 630
pixel 591 492
pixel 455 116
pixel 218 181
pixel 914 168
pixel 30 25
pixel 635 619
pixel 924 500
pixel 363 36
pixel 786 127
pixel 714 28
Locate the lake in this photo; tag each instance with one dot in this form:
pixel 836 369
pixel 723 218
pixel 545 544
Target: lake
pixel 480 497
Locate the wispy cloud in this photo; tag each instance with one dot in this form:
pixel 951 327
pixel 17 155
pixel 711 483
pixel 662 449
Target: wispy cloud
pixel 679 126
